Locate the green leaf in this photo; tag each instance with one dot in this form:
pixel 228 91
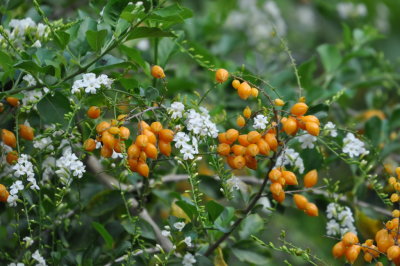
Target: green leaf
pixel 149 32
pixel 306 72
pixel 214 209
pixel 53 108
pixel 96 39
pixel 104 233
pixel 373 130
pixel 32 67
pixel 394 120
pixel 330 57
pixel 171 15
pixel 113 9
pixel 62 38
pixel 189 209
pixel 252 225
pixel 5 61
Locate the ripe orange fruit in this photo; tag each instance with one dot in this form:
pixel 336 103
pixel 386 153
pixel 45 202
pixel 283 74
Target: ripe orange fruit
pixel 299 109
pixel 254 92
pixel 310 118
pixel 165 147
pixel 26 132
pixel 12 157
pixel 221 75
pixel 132 163
pixel 124 133
pixel 141 141
pixel 114 130
pixel 108 139
pixel 238 149
pixel 119 146
pixel 239 162
pixel 279 102
pixel 142 156
pixel 240 121
pixel 222 138
pixel 338 249
pixel 142 125
pixel 383 240
pixel 156 127
pixel 394 197
pixel 106 151
pixel 235 84
pixel 93 112
pixel 133 151
pixel 300 201
pixel 151 151
pixel 143 169
pixel 229 160
pixel 3 193
pixel 102 127
pixel 290 126
pixel 271 140
pixel 12 101
pixel 311 209
pixel 263 147
pixel 157 72
pixel 352 253
pixel 274 175
pixel 251 162
pixel 223 149
pixel 89 144
pixel 350 239
pixel 253 137
pixel 122 117
pixel 276 188
pixel 312 128
pixel 8 138
pixel 150 135
pixel 244 90
pixel 252 150
pixel 280 197
pixel 247 112
pixel 232 135
pixel 166 135
pixel 311 178
pixel 243 140
pixel 368 257
pixel 290 178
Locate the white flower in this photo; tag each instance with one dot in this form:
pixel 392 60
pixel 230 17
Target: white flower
pixel 348 10
pixel 180 139
pixel 307 141
pixel 24 167
pixel 330 128
pixel 32 96
pixel 47 166
pixel 290 157
pixel 353 146
pixel 188 241
pixel 12 200
pixel 234 183
pixel 36 256
pixel 16 264
pixel 179 225
pixel 37 44
pixel 341 220
pixel 332 228
pixel 176 110
pixel 68 165
pixel 90 83
pixel 260 122
pixel 200 123
pixel 188 260
pixel 117 155
pixel 16 186
pixel 166 233
pixel 143 44
pixel 42 30
pixel 21 26
pixel 30 80
pixel 28 241
pixel 43 143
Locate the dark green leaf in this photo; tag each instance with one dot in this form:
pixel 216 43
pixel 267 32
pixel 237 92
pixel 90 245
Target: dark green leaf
pixel 189 209
pixel 104 233
pixel 53 108
pixel 252 225
pixel 214 209
pixel 96 39
pixel 149 32
pixel 330 57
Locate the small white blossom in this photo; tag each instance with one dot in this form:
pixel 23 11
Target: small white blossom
pixel 290 157
pixel 37 44
pixel 12 200
pixel 181 138
pixel 43 143
pixel 260 122
pixel 28 241
pixel 353 146
pixel 341 220
pixel 90 83
pixel 179 225
pixel 16 264
pixel 176 110
pixel 331 129
pixel 200 123
pixel 36 256
pixel 307 141
pixel 166 233
pixel 349 10
pixel 30 80
pixel 188 260
pixel 188 241
pixel 68 165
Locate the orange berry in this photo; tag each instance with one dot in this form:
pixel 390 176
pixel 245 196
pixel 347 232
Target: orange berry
pixel 142 156
pixel 221 75
pixel 106 151
pixel 239 162
pixel 114 122
pixel 251 162
pixel 3 193
pixel 12 157
pixel 232 135
pixel 224 149
pixel 12 101
pixel 156 127
pixel 290 178
pixel 253 137
pixel 119 146
pixel 114 130
pixel 142 125
pixel 311 178
pixel 93 112
pixel 151 136
pixel 143 169
pixel 132 163
pixel 166 135
pixel 300 201
pixel 394 197
pixel 229 160
pixel 157 72
pixel 235 84
pixel 352 253
pixel 290 126
pixel 368 257
pixel 222 138
pixel 384 240
pixel 124 133
pixel 263 147
pixel 276 188
pixel 133 151
pixel 108 139
pixel 397 171
pixel 252 150
pixel 310 118
pixel 238 149
pixel 312 128
pixel 151 151
pixel 393 252
pixel 165 147
pixel 244 90
pixel 280 197
pixel 274 175
pixel 338 249
pixel 8 138
pixel 89 144
pixel 243 140
pixel 141 141
pixel 299 109
pixel 392 180
pixel 254 92
pixel 102 127
pixel 240 121
pixel 350 239
pixel 396 213
pixel 311 209
pixel 26 132
pixel 247 112
pixel 279 102
pixel 122 117
pixel 272 141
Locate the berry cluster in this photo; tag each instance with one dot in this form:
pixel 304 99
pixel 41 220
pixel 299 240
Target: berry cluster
pixel 297 120
pixel 9 139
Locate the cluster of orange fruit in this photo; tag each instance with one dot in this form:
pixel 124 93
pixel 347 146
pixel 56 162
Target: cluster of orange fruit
pixel 395 183
pixel 244 90
pixel 112 135
pixel 297 120
pixel 3 193
pixel 9 139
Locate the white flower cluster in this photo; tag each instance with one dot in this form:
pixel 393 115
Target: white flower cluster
pixel 24 167
pixel 14 189
pixel 188 260
pixel 43 143
pixel 24 27
pixel 188 241
pixel 353 146
pixel 176 110
pixel 260 122
pixel 187 149
pixel 16 264
pixel 167 231
pixel 69 164
pixel 290 157
pixel 234 183
pixel 179 225
pixel 331 129
pixel 36 256
pixel 307 141
pixel 90 83
pixel 200 123
pixel 351 10
pixel 28 241
pixel 341 220
pixel 30 80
